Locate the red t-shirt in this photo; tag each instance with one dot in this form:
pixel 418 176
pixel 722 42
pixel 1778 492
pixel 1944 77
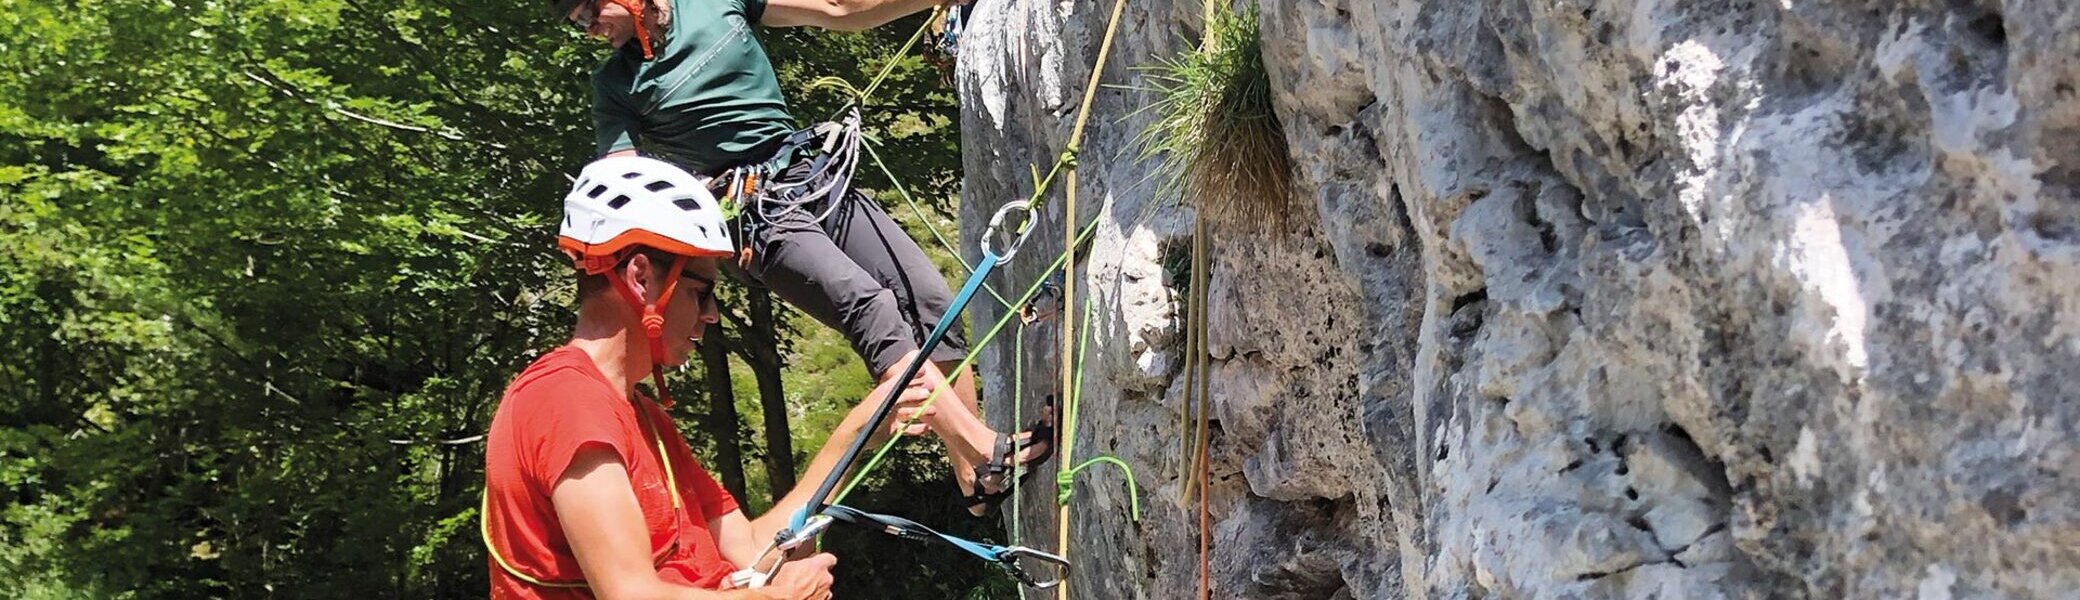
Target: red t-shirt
pixel 557 405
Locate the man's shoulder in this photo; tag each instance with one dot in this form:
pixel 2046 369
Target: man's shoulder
pixel 615 72
pixel 559 374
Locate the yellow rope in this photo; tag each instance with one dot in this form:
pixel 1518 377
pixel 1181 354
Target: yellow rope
pixel 484 515
pixel 1083 115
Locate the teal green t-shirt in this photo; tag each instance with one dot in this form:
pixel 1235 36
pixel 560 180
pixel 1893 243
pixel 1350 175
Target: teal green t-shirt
pixel 708 100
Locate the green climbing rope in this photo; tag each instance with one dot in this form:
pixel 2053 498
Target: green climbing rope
pixel 1065 480
pixel 918 209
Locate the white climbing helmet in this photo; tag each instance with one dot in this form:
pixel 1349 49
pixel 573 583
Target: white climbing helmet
pixel 625 201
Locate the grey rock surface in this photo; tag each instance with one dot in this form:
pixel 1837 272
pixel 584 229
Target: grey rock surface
pixel 1596 299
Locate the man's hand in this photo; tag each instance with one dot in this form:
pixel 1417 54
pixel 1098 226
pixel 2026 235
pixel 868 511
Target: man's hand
pixel 840 15
pixel 910 413
pixel 805 579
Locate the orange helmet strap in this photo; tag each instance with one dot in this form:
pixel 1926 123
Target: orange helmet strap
pixel 650 317
pixel 635 10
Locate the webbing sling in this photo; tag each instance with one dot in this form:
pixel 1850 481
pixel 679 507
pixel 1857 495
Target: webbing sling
pixel 1007 557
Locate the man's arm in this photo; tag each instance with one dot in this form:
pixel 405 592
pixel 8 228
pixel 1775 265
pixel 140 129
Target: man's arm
pixel 597 505
pixel 741 538
pixel 839 15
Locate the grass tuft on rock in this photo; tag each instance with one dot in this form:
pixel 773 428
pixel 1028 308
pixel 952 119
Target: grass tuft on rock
pixel 1222 147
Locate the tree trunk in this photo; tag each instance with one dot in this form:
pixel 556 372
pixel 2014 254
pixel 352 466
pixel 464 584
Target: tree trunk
pixel 761 349
pixel 722 422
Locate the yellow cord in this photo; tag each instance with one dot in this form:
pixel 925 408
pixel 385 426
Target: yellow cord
pixel 484 517
pixel 1083 114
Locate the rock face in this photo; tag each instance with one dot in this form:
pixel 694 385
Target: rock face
pixel 1600 298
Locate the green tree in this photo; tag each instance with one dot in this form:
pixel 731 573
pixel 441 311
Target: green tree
pixel 265 267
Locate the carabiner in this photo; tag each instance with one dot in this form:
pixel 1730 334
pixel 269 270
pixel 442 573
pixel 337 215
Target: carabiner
pixel 785 541
pixel 1009 559
pixel 996 222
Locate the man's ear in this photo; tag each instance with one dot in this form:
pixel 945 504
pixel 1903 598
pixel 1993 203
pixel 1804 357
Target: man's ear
pixel 640 273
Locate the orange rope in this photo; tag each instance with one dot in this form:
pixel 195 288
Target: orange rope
pixel 1199 355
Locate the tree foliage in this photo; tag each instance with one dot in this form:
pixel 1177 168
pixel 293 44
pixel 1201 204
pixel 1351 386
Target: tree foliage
pixel 265 267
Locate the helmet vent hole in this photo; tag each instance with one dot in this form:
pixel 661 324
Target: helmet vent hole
pixel 687 204
pixel 658 186
pixel 618 201
pixel 631 175
pixel 596 191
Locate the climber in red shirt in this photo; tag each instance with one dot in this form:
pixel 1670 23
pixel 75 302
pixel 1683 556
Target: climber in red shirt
pixel 589 489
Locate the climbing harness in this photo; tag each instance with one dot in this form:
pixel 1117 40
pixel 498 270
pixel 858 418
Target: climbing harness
pixel 833 153
pixel 754 197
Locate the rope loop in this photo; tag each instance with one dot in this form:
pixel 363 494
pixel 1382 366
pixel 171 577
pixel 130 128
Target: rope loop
pixel 1066 479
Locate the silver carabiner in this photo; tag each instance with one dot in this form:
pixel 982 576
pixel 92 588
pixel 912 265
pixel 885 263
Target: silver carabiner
pixel 784 542
pixel 996 222
pixel 1010 561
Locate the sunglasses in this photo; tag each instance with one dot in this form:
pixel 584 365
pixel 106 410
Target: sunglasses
pixel 583 20
pixel 705 297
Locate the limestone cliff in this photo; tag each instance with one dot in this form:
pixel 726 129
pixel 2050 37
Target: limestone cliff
pixel 1599 298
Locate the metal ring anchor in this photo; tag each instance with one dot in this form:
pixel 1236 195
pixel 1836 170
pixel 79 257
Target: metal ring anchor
pixel 996 223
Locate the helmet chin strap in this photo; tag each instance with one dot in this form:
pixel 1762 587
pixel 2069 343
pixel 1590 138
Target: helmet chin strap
pixel 651 319
pixel 635 10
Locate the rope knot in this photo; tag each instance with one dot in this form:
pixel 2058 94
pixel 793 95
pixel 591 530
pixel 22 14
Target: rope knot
pixel 653 323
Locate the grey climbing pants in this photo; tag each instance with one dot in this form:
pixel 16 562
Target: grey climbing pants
pixel 856 271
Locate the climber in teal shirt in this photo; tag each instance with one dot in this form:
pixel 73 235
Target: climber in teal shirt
pixel 693 86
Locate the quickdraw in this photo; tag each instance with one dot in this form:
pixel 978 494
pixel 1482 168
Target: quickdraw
pixel 1005 557
pixel 801 526
pixel 754 189
pixel 950 30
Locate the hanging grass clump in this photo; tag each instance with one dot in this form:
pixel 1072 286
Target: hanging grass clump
pixel 1223 150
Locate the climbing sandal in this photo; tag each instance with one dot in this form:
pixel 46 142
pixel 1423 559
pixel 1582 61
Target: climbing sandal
pixel 999 465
